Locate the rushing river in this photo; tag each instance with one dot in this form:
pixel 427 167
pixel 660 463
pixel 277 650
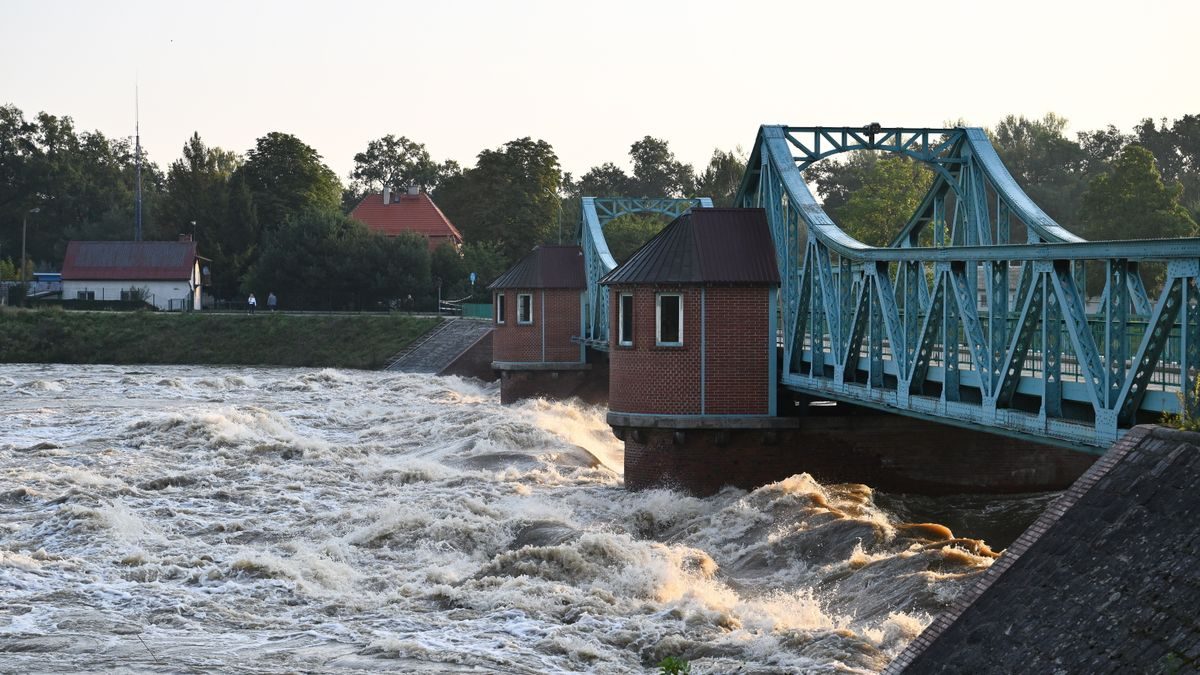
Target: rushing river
pixel 264 520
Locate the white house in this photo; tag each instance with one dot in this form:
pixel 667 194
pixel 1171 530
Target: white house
pixel 166 272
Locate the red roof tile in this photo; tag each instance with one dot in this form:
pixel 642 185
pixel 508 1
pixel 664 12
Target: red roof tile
pixel 407 213
pixel 128 260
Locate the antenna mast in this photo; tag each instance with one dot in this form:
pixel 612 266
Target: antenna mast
pixel 137 135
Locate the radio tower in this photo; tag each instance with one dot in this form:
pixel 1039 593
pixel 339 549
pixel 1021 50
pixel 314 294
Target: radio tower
pixel 137 153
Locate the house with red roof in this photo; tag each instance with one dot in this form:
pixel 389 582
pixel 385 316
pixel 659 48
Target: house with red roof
pixel 166 273
pixel 393 212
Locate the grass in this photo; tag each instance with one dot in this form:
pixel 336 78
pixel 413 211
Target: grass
pixel 362 341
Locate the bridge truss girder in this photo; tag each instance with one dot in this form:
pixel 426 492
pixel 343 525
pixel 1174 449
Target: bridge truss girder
pixel 598 260
pixel 939 331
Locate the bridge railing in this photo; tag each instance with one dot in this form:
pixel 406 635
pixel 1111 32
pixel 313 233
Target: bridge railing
pixel 955 322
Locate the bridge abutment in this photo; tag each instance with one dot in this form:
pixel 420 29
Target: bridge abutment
pixel 837 444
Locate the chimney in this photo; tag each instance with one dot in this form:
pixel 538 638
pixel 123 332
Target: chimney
pixel 387 194
pixel 185 237
pixel 413 190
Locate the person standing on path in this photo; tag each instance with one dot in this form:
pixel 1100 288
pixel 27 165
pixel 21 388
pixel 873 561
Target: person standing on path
pixel 252 304
pixel 271 301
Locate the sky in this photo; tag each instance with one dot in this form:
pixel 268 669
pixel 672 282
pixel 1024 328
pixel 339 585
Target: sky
pixel 590 78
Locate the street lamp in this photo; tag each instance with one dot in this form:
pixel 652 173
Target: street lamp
pixel 24 224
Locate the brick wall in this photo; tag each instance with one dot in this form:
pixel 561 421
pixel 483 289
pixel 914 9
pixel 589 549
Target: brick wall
pixel 666 380
pixel 513 342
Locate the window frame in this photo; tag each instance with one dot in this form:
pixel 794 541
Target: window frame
pixel 624 340
pixel 658 297
pixel 500 309
pixel 529 321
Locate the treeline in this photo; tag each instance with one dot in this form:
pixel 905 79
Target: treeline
pixel 1102 184
pixel 274 218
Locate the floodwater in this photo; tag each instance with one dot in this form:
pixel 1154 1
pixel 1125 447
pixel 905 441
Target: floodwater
pixel 244 520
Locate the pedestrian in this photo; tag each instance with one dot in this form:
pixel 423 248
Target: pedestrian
pixel 252 304
pixel 271 301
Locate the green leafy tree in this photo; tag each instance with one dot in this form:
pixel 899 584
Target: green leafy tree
pixel 626 234
pixel 1102 146
pixel 447 266
pixel 872 196
pixel 286 177
pixel 198 189
pixel 1133 202
pixel 510 196
pixel 656 172
pixel 1050 167
pixel 82 184
pixel 1176 148
pixel 323 259
pixel 606 180
pixel 396 162
pixel 486 259
pixel 722 177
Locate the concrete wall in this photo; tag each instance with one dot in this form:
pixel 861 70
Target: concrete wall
pixel 733 358
pixel 548 339
pixel 475 362
pixel 159 293
pixel 887 452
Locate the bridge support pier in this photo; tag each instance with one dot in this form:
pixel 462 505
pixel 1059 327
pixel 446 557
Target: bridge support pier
pixel 835 444
pixel 586 381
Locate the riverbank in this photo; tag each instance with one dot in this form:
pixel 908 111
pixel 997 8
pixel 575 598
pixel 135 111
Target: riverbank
pixel 363 341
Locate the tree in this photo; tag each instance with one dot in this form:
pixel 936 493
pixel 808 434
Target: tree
pixel 872 196
pixel 198 189
pixel 1176 148
pixel 1133 202
pixel 606 180
pixel 323 259
pixel 285 177
pixel 486 259
pixel 82 184
pixel 396 163
pixel 723 176
pixel 656 172
pixel 626 234
pixel 1049 167
pixel 447 266
pixel 510 196
pixel 1102 146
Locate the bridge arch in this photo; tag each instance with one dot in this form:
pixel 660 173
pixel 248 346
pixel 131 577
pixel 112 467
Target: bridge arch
pixel 598 260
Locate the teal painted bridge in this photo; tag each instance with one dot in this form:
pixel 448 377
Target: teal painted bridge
pixel 979 312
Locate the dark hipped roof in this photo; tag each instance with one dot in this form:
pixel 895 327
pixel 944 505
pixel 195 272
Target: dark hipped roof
pixel 129 260
pixel 546 267
pixel 720 246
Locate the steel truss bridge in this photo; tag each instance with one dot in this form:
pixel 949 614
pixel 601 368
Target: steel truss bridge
pixel 977 314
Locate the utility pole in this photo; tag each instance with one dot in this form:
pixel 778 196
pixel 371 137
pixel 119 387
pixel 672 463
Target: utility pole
pixel 137 136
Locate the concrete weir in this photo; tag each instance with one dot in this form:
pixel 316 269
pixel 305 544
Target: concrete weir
pixel 1105 581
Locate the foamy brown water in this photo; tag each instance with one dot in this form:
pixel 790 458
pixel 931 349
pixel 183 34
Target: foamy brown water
pixel 266 520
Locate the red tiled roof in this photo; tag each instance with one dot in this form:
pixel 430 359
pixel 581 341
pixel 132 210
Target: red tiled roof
pixel 407 213
pixel 128 260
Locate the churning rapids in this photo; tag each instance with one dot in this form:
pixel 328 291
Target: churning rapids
pixel 265 520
